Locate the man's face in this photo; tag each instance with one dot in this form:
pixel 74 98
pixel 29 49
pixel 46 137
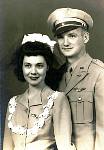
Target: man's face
pixel 72 43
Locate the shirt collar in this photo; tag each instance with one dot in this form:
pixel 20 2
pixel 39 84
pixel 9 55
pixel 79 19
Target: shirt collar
pixel 74 65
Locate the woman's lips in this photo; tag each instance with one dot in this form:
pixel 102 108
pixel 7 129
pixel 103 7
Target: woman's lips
pixel 34 78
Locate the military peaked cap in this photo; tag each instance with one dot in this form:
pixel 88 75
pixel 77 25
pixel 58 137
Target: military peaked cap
pixel 64 19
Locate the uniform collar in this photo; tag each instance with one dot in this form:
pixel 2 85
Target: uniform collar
pixel 80 71
pixel 74 65
pixel 84 63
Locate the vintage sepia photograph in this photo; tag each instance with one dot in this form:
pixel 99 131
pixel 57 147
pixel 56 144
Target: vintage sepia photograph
pixel 52 75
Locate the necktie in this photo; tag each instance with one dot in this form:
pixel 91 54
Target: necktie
pixel 68 75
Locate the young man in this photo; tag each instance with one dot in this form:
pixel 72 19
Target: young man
pixel 83 80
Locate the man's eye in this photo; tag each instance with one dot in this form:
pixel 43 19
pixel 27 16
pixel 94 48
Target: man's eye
pixel 72 35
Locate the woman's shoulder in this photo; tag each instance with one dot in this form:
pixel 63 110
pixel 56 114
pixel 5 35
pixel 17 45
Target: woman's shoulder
pixel 50 92
pixel 60 101
pixel 59 97
pixel 18 98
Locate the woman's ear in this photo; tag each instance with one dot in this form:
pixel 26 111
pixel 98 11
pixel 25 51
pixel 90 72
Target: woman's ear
pixel 47 68
pixel 86 37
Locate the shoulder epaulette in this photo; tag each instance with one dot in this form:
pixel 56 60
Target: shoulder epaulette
pixel 98 62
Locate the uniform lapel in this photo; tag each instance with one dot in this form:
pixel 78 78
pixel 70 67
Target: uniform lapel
pixel 79 73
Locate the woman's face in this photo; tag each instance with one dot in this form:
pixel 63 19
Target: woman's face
pixel 34 69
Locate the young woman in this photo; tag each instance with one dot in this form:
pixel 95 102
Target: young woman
pixel 40 118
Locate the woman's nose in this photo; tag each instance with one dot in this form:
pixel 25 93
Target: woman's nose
pixel 33 70
pixel 66 42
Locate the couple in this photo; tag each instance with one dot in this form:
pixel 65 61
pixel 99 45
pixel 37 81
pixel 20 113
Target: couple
pixel 41 117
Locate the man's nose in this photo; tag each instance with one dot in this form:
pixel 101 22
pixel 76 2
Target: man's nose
pixel 66 42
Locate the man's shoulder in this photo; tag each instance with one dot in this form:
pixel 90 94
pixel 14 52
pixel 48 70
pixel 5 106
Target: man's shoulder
pixel 98 63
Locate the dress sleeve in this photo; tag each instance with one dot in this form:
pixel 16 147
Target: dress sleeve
pixel 99 107
pixel 62 123
pixel 7 142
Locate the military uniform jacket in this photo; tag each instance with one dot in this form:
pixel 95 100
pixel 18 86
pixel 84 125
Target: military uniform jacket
pixel 85 91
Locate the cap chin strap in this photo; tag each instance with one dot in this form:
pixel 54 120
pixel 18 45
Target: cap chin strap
pixel 69 22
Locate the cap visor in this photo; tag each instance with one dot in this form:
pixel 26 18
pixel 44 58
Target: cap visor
pixel 63 29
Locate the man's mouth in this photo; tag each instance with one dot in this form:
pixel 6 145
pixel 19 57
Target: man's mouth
pixel 67 48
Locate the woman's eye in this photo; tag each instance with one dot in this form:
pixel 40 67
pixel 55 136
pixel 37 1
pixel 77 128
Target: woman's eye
pixel 27 65
pixel 40 65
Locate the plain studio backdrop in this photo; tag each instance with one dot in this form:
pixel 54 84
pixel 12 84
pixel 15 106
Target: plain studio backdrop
pixel 18 17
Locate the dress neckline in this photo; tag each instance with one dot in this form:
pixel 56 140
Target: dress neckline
pixel 18 129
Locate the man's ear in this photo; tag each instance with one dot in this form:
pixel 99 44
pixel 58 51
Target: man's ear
pixel 86 37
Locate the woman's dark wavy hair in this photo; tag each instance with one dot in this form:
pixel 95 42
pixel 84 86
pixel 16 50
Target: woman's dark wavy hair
pixel 31 49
